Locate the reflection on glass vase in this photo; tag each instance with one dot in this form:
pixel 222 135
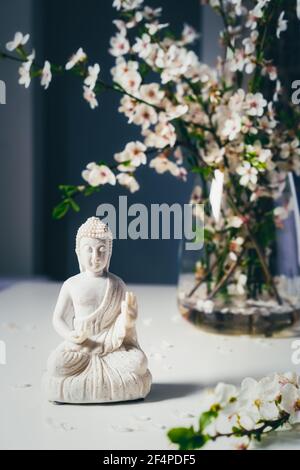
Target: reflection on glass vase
pixel 246 278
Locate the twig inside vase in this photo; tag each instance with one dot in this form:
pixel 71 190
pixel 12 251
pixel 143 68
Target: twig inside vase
pixel 226 276
pixel 267 274
pixel 203 279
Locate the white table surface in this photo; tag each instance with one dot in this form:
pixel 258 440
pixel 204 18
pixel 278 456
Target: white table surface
pixel 182 360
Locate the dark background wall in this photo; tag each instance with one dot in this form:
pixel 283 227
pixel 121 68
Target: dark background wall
pixel 16 153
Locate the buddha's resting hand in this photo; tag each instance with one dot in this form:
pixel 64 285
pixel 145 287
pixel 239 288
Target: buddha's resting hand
pixel 129 308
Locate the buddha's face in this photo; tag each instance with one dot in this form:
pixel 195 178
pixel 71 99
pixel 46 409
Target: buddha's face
pixel 93 254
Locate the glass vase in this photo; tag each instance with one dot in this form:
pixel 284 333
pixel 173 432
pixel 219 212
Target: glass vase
pixel 245 280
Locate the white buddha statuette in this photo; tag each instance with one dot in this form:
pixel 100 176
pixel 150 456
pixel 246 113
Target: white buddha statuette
pixel 100 359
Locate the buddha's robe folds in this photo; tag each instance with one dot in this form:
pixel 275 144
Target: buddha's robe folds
pixel 108 366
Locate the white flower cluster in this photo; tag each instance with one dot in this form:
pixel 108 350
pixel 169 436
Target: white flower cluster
pixel 127 5
pixel 233 115
pixel 17 43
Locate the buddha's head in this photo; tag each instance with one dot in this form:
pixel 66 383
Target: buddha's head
pixel 94 246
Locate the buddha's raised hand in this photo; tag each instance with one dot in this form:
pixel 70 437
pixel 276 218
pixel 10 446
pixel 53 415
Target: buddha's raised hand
pixel 129 308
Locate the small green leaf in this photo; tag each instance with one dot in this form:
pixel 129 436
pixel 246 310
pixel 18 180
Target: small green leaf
pixel 144 69
pixel 186 438
pixel 258 437
pixel 182 437
pixel 74 205
pixel 237 431
pixel 207 418
pixel 177 435
pixel 68 190
pixel 91 190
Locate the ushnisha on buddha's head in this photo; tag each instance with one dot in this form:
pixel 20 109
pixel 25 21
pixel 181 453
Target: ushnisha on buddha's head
pixel 94 246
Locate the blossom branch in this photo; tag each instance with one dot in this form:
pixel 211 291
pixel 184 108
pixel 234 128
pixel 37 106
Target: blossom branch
pixel 240 416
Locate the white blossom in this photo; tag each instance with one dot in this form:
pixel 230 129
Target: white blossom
pixel 127 5
pixel 290 149
pixel 213 154
pixel 290 402
pixel 128 181
pixel 92 77
pixel 237 101
pixel 263 3
pixel 119 45
pixel 121 26
pixel 255 104
pixel 248 126
pixel 281 214
pixel 130 82
pixel 225 422
pixel 173 112
pixel 267 124
pixel 282 25
pixel 235 221
pixel 151 13
pixel 255 15
pixel 19 40
pixel 178 155
pixel 144 116
pixel 151 93
pixel 127 76
pixel 224 393
pixel 25 76
pixel 162 165
pixel 79 56
pixel 25 70
pixel 271 71
pixel 134 153
pixel 260 155
pixel 128 106
pixel 237 60
pixel 134 20
pixel 188 35
pixel 90 96
pixel 46 75
pixel 164 135
pixel 123 67
pixel 257 401
pixel 182 174
pixel 175 62
pixel 250 42
pixel 155 26
pixel 143 46
pixel 278 91
pixel 235 247
pixel 196 197
pixel 229 123
pixel 289 378
pixel 248 174
pixel 229 443
pixel 250 64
